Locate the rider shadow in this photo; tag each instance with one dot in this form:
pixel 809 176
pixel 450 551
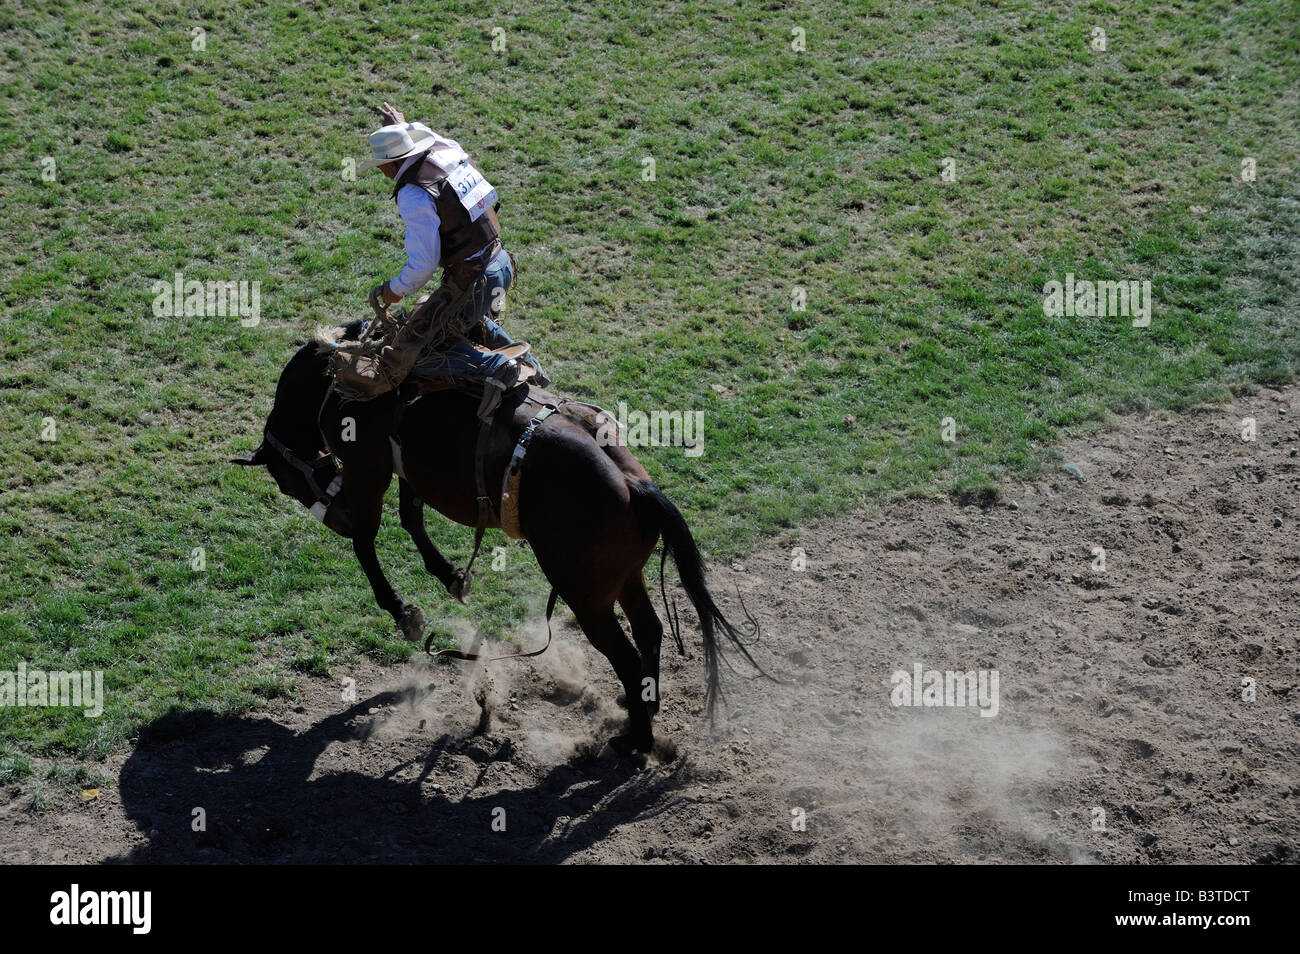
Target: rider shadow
pixel 249 781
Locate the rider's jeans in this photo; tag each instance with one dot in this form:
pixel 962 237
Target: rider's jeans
pixel 500 275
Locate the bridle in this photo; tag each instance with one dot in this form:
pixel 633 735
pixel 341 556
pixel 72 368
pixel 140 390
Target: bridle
pixel 310 470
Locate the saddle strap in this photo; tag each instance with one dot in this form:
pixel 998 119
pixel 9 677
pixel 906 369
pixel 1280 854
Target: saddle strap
pixel 480 489
pixel 510 480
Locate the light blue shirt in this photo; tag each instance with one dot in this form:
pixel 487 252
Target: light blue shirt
pixel 423 243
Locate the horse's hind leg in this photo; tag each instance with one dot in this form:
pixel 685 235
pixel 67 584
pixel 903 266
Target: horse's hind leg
pixel 411 510
pixel 603 629
pixel 647 633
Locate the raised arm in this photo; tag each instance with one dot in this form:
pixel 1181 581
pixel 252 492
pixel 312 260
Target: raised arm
pixel 391 115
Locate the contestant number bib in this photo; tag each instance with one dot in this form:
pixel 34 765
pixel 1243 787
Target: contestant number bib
pixel 475 192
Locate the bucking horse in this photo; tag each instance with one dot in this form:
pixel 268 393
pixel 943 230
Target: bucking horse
pixel 588 509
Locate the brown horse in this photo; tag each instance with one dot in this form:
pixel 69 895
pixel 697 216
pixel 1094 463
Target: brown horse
pixel 590 513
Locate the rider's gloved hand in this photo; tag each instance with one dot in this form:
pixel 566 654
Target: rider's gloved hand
pixel 382 295
pixel 391 115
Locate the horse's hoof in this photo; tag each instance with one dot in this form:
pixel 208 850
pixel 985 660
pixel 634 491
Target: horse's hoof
pixel 651 707
pixel 461 585
pixel 412 624
pixel 628 743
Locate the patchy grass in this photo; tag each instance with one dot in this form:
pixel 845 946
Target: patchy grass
pixel 775 171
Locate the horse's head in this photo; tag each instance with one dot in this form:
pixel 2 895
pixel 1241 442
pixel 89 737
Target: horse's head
pixel 292 448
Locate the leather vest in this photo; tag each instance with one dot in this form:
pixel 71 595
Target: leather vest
pixel 460 237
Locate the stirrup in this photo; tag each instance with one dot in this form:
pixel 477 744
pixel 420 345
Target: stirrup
pixel 494 387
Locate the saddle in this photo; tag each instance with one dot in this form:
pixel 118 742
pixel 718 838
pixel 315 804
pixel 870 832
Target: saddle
pixel 429 374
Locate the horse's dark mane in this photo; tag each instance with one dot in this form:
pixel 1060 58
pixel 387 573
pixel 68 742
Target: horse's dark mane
pixel 294 388
pixel 351 332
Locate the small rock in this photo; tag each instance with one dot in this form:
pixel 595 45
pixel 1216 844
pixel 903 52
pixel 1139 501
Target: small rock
pixel 1277 521
pixel 1056 814
pixel 1233 842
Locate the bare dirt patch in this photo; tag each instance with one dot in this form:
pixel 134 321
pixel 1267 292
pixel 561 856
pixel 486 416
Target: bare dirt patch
pixel 1121 691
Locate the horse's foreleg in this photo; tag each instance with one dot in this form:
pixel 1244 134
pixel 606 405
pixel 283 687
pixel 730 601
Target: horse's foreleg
pixel 366 514
pixel 411 510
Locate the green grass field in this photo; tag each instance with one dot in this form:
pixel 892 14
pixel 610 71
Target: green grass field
pixel 775 169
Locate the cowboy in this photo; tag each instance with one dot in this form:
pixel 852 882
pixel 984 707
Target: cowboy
pixel 449 209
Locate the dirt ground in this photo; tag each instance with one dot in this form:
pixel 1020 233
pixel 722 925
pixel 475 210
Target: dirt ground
pixel 1123 732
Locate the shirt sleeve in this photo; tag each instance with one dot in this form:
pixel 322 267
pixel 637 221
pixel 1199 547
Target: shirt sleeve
pixel 423 245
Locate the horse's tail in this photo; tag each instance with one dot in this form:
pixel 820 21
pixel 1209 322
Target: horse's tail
pixel 662 515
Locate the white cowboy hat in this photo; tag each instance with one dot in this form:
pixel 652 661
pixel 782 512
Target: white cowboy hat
pixel 401 141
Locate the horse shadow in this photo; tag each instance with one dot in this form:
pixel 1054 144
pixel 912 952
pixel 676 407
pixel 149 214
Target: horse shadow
pixel 204 788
